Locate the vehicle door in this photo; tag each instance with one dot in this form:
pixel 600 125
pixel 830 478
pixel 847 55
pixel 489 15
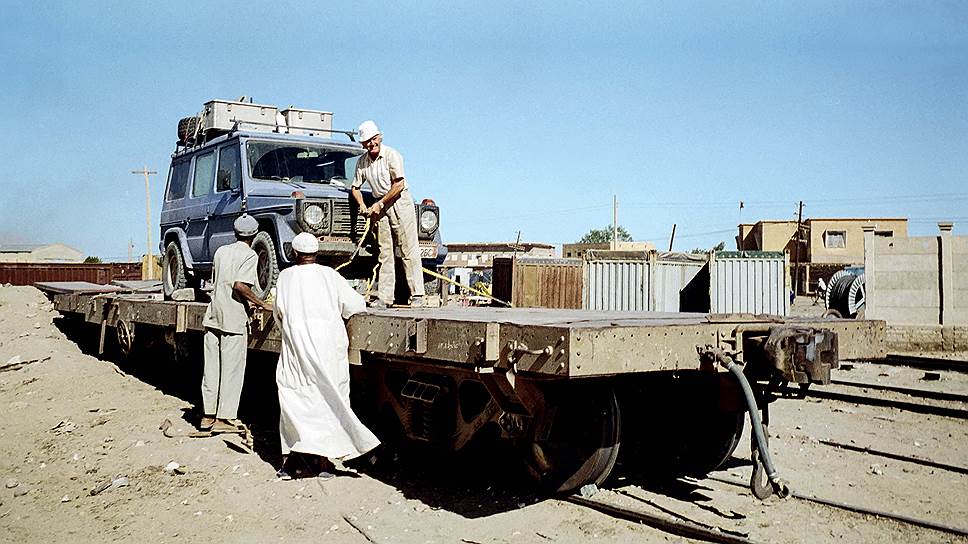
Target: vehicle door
pixel 173 213
pixel 226 203
pixel 198 206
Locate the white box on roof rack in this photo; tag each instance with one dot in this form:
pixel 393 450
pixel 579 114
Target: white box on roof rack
pixel 309 122
pixel 224 114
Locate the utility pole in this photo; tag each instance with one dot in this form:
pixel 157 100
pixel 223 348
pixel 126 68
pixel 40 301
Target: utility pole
pixel 614 222
pixel 672 237
pixel 131 250
pixel 796 251
pixel 149 254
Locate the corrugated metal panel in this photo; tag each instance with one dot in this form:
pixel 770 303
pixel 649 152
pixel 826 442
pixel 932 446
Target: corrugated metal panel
pixel 636 284
pixel 670 277
pixel 617 285
pixel 102 273
pixel 749 285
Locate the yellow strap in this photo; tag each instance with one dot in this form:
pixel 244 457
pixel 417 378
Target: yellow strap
pixel 369 283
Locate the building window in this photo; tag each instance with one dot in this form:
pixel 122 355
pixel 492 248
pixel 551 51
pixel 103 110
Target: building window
pixel 835 239
pixel 884 233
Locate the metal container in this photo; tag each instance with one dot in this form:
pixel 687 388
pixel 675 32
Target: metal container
pixel 753 282
pixel 223 114
pixel 617 283
pixel 308 122
pixel 673 272
pixel 627 281
pixel 538 283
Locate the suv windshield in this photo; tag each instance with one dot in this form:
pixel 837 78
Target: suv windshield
pixel 296 162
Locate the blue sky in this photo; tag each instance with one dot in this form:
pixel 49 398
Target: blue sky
pixel 513 116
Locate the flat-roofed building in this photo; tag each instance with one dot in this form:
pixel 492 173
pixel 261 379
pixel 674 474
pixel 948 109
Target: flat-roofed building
pixel 39 253
pixel 825 244
pixel 478 255
pixel 578 250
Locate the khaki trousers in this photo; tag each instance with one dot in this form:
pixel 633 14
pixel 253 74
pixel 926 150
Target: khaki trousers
pixel 397 227
pixel 224 372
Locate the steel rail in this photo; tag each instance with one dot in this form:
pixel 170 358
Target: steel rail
pixel 925 363
pixel 668 524
pixel 896 456
pixel 957 413
pixel 911 520
pixel 910 391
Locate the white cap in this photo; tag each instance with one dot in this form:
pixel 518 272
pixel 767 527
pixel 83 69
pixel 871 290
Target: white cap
pixel 246 225
pixel 367 130
pixel 305 243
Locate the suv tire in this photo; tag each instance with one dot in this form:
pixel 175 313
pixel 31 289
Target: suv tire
pixel 267 267
pixel 173 274
pixel 187 127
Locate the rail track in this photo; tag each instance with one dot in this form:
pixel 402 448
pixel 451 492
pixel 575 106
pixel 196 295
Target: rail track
pixel 915 399
pixel 917 407
pixel 678 524
pixel 909 391
pixel 925 363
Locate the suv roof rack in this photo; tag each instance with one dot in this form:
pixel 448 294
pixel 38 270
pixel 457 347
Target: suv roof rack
pixel 221 117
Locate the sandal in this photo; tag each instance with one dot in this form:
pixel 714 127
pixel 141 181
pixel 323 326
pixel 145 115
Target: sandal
pixel 205 424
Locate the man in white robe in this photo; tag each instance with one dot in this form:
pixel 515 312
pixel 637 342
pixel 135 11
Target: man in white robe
pixel 313 372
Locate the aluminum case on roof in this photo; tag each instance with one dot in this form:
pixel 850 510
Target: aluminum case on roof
pixel 308 122
pixel 224 114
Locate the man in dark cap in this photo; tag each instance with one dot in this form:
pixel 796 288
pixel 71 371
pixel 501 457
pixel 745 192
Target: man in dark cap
pixel 226 327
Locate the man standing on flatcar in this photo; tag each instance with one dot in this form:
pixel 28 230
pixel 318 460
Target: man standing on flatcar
pixel 393 214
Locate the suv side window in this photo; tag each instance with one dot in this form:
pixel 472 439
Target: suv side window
pixel 204 174
pixel 178 180
pixel 229 168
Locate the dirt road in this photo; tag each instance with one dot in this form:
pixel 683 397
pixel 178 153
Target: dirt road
pixel 71 423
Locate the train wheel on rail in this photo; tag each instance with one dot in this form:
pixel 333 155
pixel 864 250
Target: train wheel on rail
pixel 580 442
pixel 689 423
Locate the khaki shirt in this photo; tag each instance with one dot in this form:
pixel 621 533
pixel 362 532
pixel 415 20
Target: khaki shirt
pixel 233 262
pixel 379 172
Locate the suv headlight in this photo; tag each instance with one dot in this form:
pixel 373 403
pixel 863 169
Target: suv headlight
pixel 428 220
pixel 315 216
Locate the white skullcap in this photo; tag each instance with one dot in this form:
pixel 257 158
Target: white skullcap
pixel 246 225
pixel 305 243
pixel 367 130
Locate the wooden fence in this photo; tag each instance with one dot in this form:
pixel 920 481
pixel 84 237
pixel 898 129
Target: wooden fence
pixel 101 273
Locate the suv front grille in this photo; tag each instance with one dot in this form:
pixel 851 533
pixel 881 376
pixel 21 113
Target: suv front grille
pixel 346 223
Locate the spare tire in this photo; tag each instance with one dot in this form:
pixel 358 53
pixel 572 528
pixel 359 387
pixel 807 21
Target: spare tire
pixel 187 127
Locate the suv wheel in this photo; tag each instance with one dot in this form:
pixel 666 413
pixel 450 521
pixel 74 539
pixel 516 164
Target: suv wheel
pixel 267 269
pixel 173 274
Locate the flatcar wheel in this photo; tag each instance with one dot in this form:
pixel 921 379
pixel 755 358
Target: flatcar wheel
pixel 581 443
pixel 125 333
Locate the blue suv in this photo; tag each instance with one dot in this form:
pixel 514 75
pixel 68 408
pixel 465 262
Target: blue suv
pixel 290 183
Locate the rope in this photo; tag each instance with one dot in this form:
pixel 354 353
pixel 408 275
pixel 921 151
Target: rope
pixel 372 279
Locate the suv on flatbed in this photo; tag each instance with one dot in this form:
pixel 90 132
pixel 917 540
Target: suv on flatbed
pixel 284 169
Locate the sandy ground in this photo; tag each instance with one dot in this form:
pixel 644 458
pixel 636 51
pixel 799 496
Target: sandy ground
pixel 71 422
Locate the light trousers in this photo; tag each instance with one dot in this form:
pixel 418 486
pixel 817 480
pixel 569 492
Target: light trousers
pixel 224 372
pixel 397 227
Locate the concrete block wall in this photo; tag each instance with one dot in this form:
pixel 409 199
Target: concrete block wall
pixel 919 285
